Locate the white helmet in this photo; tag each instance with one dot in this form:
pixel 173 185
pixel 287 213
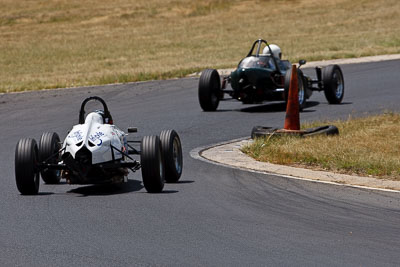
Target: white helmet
pixel 276 50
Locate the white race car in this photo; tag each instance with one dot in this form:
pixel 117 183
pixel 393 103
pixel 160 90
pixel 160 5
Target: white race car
pixel 95 151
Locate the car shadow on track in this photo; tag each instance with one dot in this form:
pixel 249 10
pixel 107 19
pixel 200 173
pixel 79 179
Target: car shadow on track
pixel 277 107
pixel 184 182
pixel 45 193
pixel 271 107
pixel 109 189
pixel 166 192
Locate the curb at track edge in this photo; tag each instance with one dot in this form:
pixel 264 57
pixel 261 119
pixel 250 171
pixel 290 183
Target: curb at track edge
pixel 196 154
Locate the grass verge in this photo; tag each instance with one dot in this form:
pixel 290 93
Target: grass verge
pixel 66 43
pixel 367 146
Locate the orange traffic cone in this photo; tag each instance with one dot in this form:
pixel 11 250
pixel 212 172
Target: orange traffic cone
pixel 292 119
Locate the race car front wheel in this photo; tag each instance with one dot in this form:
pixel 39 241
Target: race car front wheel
pixel 172 153
pixel 209 90
pixel 332 77
pixel 49 146
pixel 153 172
pixel 26 171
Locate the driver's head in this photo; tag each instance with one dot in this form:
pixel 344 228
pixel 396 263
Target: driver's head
pixel 276 51
pixel 101 113
pixel 96 117
pixel 106 119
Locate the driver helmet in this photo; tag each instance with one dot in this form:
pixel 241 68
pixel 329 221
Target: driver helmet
pixel 106 119
pixel 101 113
pixel 276 51
pixel 95 116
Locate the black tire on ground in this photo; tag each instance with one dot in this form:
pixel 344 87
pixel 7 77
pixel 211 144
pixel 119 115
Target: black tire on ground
pixel 153 172
pixel 302 89
pixel 172 153
pixel 209 89
pixel 26 174
pixel 49 145
pixel 254 132
pixel 332 78
pixel 262 131
pixel 325 130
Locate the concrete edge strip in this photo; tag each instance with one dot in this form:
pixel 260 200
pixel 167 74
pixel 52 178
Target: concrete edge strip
pixel 196 154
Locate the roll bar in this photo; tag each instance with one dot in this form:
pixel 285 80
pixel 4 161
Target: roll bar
pixel 107 114
pixel 258 43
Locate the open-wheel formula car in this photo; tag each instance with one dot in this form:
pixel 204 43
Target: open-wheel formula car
pixel 264 76
pixel 95 151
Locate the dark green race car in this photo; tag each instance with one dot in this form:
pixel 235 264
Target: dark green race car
pixel 263 76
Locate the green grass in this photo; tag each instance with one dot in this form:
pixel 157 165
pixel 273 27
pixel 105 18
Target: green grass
pixel 60 43
pixel 365 146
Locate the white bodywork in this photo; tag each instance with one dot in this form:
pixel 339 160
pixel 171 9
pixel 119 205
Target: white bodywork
pixel 98 138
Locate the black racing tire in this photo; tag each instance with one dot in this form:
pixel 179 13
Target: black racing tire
pixel 49 145
pixel 209 90
pixel 153 171
pixel 262 131
pixel 26 172
pixel 302 87
pixel 332 77
pixel 171 148
pixel 322 130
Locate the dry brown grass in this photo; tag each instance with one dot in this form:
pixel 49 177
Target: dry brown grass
pixel 58 43
pixel 365 146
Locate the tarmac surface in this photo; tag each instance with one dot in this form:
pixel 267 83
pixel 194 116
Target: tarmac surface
pixel 214 216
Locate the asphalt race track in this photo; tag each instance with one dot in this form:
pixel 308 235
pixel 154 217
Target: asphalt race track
pixel 214 216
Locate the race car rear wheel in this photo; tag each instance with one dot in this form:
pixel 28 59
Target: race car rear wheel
pixel 26 171
pixel 332 78
pixel 302 87
pixel 152 163
pixel 49 147
pixel 172 153
pixel 209 90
